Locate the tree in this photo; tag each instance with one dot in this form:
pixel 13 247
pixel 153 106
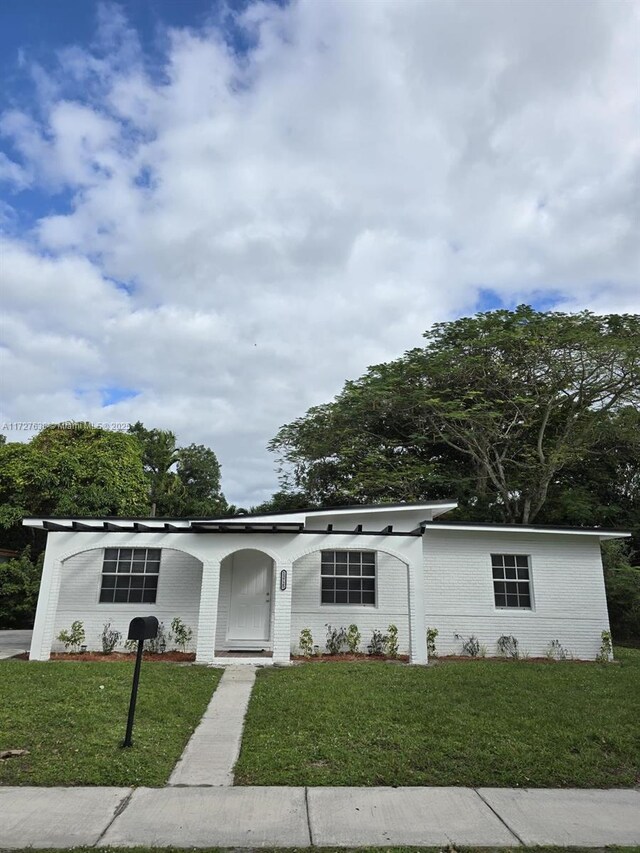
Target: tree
pixel 283 502
pixel 182 481
pixel 622 581
pixel 492 410
pixel 159 455
pixel 19 584
pixel 604 487
pixel 69 470
pixel 198 472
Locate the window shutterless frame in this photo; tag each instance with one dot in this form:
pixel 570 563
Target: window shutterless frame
pixel 348 577
pixel 512 587
pixel 130 576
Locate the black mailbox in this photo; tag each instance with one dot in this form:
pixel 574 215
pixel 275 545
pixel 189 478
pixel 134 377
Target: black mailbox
pixel 143 628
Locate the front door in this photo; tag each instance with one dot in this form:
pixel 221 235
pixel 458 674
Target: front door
pixel 250 608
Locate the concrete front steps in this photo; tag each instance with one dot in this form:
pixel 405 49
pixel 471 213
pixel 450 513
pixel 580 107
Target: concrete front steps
pixel 236 658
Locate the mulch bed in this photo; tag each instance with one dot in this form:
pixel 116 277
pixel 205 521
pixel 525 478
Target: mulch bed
pixel 496 659
pixel 120 657
pixel 348 658
pixel 362 658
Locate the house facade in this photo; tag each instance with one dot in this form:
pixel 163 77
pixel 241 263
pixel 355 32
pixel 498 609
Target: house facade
pixel 250 584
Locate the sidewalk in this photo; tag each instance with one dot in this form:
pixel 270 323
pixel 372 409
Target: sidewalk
pixel 213 749
pixel 299 817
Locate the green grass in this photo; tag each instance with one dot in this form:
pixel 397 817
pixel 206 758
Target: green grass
pixel 72 718
pixel 459 723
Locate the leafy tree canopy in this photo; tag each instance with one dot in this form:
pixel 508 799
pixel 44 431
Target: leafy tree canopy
pixel 182 481
pixel 622 582
pixel 70 470
pixel 19 585
pixel 493 410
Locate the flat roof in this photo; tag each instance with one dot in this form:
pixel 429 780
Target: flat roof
pixel 296 515
pixel 296 524
pixel 488 527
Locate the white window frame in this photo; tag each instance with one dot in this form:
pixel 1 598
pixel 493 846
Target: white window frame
pixel 506 607
pixel 373 577
pixel 130 574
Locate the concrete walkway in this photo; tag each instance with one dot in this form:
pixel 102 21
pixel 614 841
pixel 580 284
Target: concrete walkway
pixel 341 817
pixel 14 643
pixel 210 755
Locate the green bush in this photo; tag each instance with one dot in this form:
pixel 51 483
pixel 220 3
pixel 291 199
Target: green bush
pixel 336 640
pixel 306 642
pixel 109 638
pixel 73 639
pixel 353 639
pixel 182 634
pixel 378 643
pixel 622 581
pixel 432 634
pixel 391 641
pixel 508 647
pixel 19 584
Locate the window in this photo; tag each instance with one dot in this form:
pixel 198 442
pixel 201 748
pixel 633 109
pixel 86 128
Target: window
pixel 348 577
pixel 130 575
pixel 511 580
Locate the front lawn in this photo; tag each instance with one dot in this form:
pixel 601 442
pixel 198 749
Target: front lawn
pixel 71 717
pixel 479 723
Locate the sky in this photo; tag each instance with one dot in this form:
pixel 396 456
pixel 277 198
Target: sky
pixel 213 214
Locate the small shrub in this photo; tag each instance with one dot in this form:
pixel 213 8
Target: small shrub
pixel 606 649
pixel 110 638
pixel 336 640
pixel 391 641
pixel 353 639
pixel 471 646
pixel 73 638
pixel 556 651
pixel 377 644
pixel 432 633
pixel 508 647
pixel 157 645
pixel 482 651
pixel 305 642
pixel 181 633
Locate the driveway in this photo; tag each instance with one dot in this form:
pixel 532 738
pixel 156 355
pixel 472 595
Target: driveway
pixel 14 643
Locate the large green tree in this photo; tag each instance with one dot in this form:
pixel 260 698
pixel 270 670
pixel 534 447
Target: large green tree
pixel 19 585
pixel 182 481
pixel 492 410
pixel 622 581
pixel 70 469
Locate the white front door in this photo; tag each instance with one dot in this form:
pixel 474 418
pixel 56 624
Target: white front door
pixel 250 607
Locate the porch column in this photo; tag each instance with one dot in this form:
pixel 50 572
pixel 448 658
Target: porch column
pixel 282 614
pixel 417 620
pixel 47 607
pixel 208 612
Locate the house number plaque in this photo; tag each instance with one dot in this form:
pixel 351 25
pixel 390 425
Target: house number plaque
pixel 283 579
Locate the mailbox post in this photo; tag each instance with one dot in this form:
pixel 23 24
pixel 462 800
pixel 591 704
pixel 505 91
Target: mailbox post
pixel 141 628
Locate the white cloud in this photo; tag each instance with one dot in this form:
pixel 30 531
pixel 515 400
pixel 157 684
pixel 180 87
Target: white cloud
pixel 285 217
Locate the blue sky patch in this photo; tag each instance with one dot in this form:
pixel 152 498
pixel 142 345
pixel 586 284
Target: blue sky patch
pixel 115 394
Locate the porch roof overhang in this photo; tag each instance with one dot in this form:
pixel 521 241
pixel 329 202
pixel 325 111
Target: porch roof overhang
pixel 150 525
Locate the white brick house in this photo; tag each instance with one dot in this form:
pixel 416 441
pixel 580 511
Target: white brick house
pixel 252 583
